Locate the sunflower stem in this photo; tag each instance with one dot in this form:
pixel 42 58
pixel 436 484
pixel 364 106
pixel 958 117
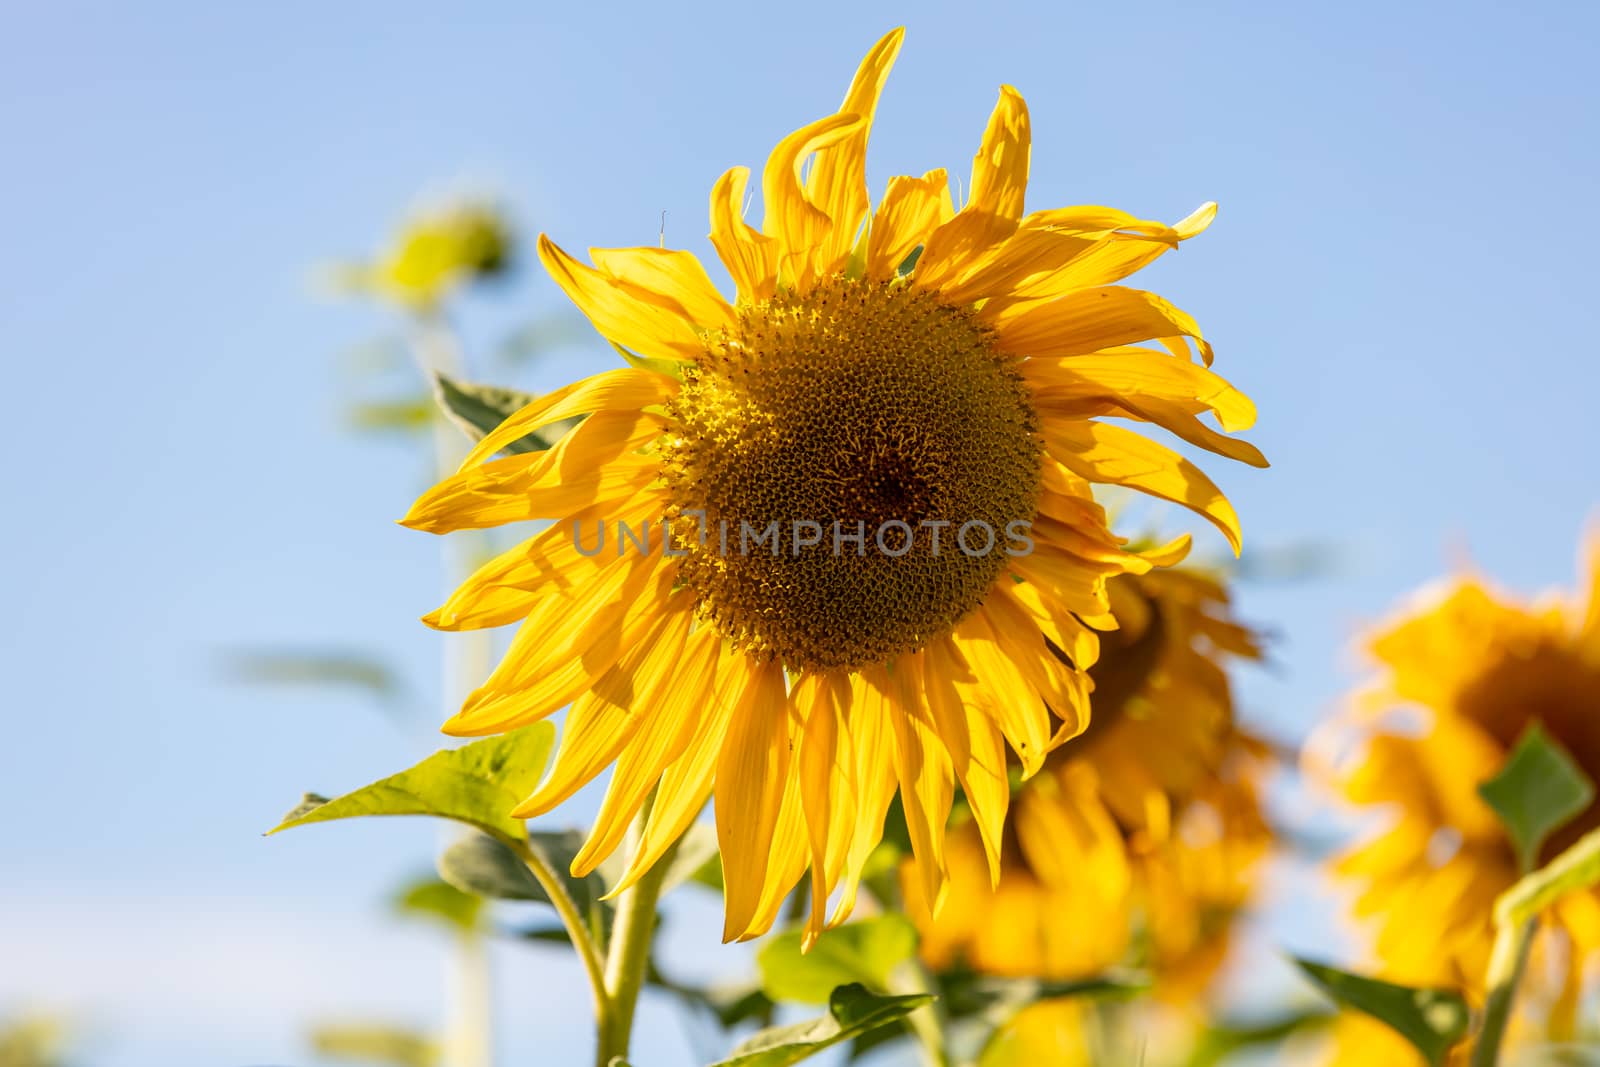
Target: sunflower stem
pixel 572 922
pixel 1506 964
pixel 927 1022
pixel 628 955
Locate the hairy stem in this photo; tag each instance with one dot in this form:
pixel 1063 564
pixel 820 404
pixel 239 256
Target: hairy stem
pixel 1506 964
pixel 628 956
pixel 577 931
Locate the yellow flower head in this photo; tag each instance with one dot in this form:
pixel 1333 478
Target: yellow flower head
pixel 885 560
pixel 1139 842
pixel 1482 668
pixel 437 251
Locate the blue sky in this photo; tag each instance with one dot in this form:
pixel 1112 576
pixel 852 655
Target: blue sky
pixel 1401 276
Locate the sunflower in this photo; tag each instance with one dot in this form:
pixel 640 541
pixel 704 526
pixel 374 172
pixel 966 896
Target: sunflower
pixel 1139 841
pixel 1481 667
pixel 796 641
pixel 438 250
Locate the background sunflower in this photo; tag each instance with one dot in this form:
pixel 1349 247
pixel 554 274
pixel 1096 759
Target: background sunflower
pixel 1482 667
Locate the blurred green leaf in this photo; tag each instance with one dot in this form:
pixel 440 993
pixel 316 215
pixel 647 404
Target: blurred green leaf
pixel 478 409
pixel 391 1045
pixel 695 855
pixel 852 1010
pixel 1295 561
pixel 1538 790
pixel 534 338
pixel 1218 1041
pixel 729 1003
pixel 558 848
pixel 1433 1020
pixel 440 901
pixel 965 992
pixel 866 952
pixel 487 867
pixel 409 415
pixel 477 784
pixel 1577 868
pixel 358 670
pixel 709 873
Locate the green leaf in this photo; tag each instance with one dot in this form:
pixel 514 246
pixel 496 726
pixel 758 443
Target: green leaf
pixel 729 1003
pixel 411 415
pixel 478 409
pixel 709 874
pixel 357 670
pixel 1576 869
pixel 487 867
pixel 557 848
pixel 1219 1041
pixel 852 1010
pixel 965 992
pixel 533 339
pixel 697 849
pixel 1433 1020
pixel 1538 789
pixel 390 1045
pixel 478 784
pixel 865 952
pixel 433 899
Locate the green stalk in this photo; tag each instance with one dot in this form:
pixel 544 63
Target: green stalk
pixel 577 930
pixel 628 958
pixel 1510 956
pixel 927 1022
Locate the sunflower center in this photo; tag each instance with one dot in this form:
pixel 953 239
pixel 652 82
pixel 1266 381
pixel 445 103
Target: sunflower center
pixel 851 472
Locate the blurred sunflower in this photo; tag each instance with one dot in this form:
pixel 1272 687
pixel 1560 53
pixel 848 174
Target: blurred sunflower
pixel 436 251
pixel 905 367
pixel 1139 842
pixel 1482 668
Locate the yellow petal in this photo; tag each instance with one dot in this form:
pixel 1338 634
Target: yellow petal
pixel 1108 259
pixel 976 746
pixel 1589 629
pixel 671 708
pixel 786 861
pixel 1068 836
pixel 1088 320
pixel 752 772
pixel 1055 251
pixel 619 313
pixel 922 765
pixel 1064 689
pixel 992 212
pixel 1117 456
pixel 565 646
pixel 800 226
pixel 1077 642
pixel 827 784
pixel 508 587
pixel 910 210
pixel 623 389
pixel 669 277
pixel 1002 692
pixel 837 183
pixel 604 719
pixel 1139 373
pixel 870 738
pixel 1068 581
pixel 526 487
pixel 750 255
pixel 686 784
